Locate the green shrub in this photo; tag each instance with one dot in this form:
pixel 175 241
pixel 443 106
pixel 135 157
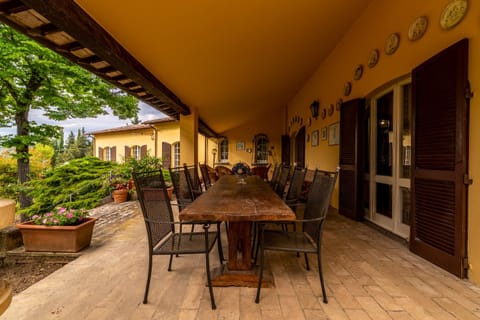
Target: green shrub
pixel 74 185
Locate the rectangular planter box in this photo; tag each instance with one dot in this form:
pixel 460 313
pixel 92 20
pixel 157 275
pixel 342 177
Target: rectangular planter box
pixel 57 238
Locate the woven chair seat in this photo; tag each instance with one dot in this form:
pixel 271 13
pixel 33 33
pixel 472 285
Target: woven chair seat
pixel 288 241
pixel 185 243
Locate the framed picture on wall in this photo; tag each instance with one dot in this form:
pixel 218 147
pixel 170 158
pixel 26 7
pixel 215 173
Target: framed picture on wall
pixel 314 138
pixel 333 134
pixel 240 145
pixel 324 133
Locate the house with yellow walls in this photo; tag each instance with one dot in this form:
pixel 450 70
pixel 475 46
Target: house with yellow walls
pixel 384 89
pixel 158 138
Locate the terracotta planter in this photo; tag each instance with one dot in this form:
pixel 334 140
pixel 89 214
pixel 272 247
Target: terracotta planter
pixel 120 196
pixel 56 238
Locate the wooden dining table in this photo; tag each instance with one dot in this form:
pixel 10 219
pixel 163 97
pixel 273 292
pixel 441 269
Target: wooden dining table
pixel 240 201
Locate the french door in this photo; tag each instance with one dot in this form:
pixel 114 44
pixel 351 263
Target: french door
pixel 390 158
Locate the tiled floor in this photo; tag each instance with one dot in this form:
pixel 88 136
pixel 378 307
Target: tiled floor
pixel 368 276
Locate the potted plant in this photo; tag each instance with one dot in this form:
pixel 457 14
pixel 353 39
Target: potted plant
pixel 119 189
pixel 60 230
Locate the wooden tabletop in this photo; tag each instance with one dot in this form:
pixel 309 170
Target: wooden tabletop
pixel 233 198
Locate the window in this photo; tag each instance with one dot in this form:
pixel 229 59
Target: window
pixel 137 152
pixel 108 154
pixel 176 154
pixel 261 148
pixel 223 157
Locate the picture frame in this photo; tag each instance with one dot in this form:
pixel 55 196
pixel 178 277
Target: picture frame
pixel 314 138
pixel 240 146
pixel 334 134
pixel 324 133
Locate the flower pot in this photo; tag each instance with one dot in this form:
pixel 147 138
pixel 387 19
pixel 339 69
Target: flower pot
pixel 120 196
pixel 56 238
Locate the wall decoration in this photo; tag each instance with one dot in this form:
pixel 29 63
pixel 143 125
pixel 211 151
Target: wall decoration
pixel 347 89
pixel 324 113
pixel 240 145
pixel 358 72
pixel 309 121
pixel 308 137
pixel 373 58
pixel 339 104
pixel 334 134
pixel 453 14
pixel 392 43
pixel 324 133
pixel 417 28
pixel 315 138
pixel 331 109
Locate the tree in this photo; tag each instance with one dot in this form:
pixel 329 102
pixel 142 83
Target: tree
pixel 34 77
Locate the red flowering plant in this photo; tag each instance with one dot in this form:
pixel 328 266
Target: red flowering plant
pixel 61 216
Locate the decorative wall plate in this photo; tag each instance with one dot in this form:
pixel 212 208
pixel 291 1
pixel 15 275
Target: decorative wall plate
pixel 392 42
pixel 358 72
pixel 324 113
pixel 331 109
pixel 347 88
pixel 373 58
pixel 339 104
pixel 453 14
pixel 417 28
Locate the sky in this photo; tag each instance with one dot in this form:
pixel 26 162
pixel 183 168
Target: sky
pixel 90 124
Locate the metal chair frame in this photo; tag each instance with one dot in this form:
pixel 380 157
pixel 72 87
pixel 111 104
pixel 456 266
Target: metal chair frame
pixel 309 240
pixel 163 239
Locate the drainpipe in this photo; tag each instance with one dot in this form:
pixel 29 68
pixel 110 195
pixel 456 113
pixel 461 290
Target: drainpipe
pixel 155 139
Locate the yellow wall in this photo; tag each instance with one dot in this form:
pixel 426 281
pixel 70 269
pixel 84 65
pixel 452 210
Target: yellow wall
pixel 270 124
pixel 369 32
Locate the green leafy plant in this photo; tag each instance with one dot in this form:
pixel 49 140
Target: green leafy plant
pixel 61 216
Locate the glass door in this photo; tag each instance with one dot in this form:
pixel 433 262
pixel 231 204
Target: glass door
pixel 390 159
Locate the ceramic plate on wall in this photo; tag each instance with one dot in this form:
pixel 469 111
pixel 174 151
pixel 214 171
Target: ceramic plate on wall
pixel 347 88
pixel 373 58
pixel 417 28
pixel 392 42
pixel 358 72
pixel 453 14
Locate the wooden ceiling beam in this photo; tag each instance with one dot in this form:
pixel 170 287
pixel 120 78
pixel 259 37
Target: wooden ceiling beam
pixel 69 17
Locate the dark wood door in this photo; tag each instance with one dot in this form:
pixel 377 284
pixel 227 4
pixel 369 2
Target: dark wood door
pixel 285 149
pixel 300 147
pixel 351 156
pixel 440 153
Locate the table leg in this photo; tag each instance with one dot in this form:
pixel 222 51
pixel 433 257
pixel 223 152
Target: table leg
pixel 239 237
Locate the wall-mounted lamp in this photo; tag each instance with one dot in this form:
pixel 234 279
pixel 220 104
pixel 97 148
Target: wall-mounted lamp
pixel 314 108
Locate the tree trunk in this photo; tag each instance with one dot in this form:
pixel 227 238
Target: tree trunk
pixel 23 162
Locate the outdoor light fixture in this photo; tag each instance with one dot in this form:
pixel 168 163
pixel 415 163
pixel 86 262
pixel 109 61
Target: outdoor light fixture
pixel 314 108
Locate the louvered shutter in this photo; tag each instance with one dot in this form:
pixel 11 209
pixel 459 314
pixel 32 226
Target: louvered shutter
pixel 440 153
pixel 143 151
pixel 113 154
pixel 350 159
pixel 100 153
pixel 128 154
pixel 166 154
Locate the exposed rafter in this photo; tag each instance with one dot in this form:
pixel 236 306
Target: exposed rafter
pixel 64 27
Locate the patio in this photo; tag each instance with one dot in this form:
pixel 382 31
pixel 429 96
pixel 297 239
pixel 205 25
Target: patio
pixel 368 276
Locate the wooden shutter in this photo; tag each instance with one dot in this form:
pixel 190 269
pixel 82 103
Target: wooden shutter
pixel 285 149
pixel 350 159
pixel 166 154
pixel 113 154
pixel 143 151
pixel 440 153
pixel 128 154
pixel 100 153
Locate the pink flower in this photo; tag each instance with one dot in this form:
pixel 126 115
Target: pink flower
pixel 49 214
pixel 55 221
pixel 61 210
pixel 69 215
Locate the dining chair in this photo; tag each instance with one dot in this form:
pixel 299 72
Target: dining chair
pixel 275 175
pixel 261 171
pixel 309 240
pixel 163 239
pixel 191 171
pixel 282 179
pixel 205 176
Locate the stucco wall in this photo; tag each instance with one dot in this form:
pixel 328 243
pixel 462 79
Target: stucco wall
pixel 370 32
